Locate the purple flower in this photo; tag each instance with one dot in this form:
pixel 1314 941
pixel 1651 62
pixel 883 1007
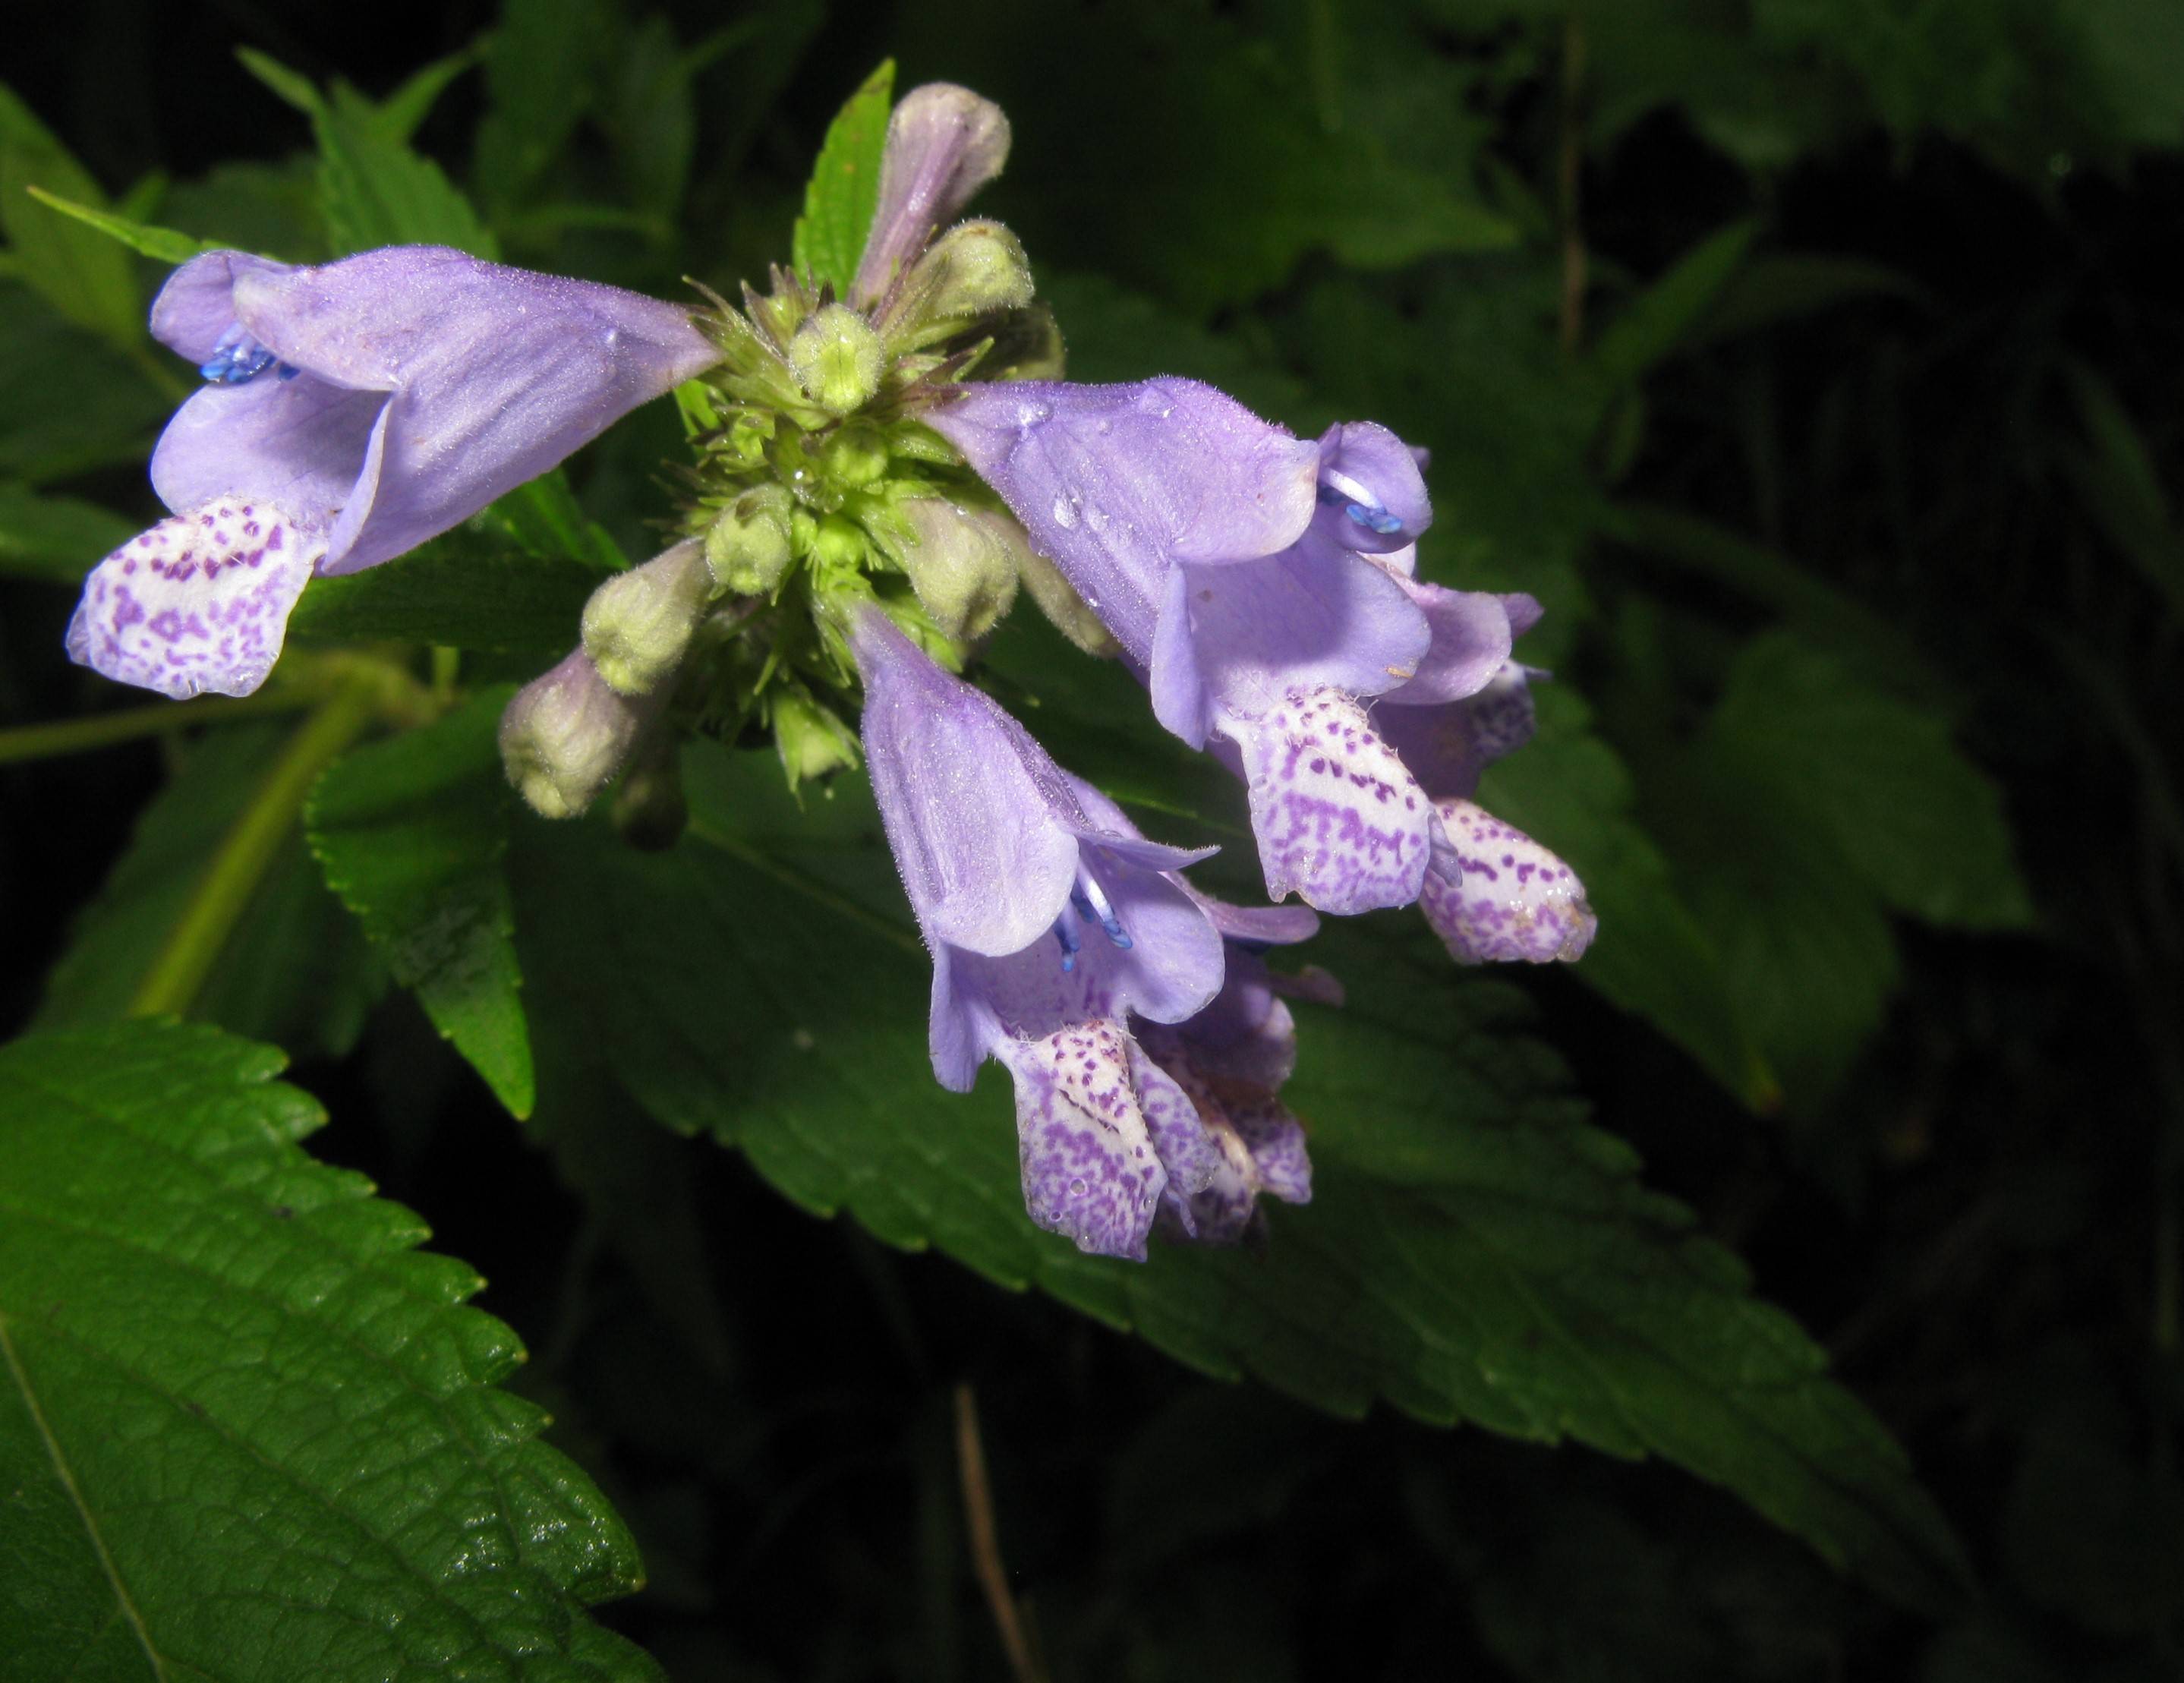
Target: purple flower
pixel 1228 558
pixel 352 411
pixel 1052 923
pixel 1491 892
pixel 943 144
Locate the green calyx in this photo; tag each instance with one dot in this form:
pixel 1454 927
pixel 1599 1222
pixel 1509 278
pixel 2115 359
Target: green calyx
pixel 818 486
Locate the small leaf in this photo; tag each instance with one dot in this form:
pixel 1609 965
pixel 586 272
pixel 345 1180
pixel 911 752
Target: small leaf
pixel 111 413
pixel 541 68
pixel 1654 323
pixel 543 518
pixel 245 1426
pixel 59 538
pixel 411 832
pixel 846 185
pixel 410 104
pixel 163 244
pixel 80 273
pixel 295 970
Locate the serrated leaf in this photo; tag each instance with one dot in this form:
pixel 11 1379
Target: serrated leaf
pixel 245 1426
pixel 59 538
pixel 460 591
pixel 163 244
pixel 1570 790
pixel 542 66
pixel 1878 777
pixel 79 272
pixel 846 185
pixel 1474 1251
pixel 294 970
pixel 411 833
pixel 373 189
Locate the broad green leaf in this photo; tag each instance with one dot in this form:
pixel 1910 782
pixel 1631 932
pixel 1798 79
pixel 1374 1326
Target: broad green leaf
pixel 268 208
pixel 55 538
pixel 541 69
pixel 464 590
pixel 544 518
pixel 410 104
pixel 70 401
pixel 1475 1251
pixel 651 116
pixel 2121 488
pixel 1776 287
pixel 246 1430
pixel 411 833
pixel 79 272
pixel 1878 777
pixel 846 185
pixel 1652 324
pixel 1568 789
pixel 374 191
pixel 163 244
pixel 295 970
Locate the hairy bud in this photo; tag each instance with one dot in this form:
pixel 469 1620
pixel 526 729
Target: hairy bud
pixel 962 564
pixel 565 735
pixel 838 359
pixel 975 269
pixel 637 625
pixel 747 546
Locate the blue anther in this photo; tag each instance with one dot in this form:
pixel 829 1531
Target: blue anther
pixel 236 359
pixel 1063 934
pixel 1374 520
pixel 286 370
pixel 1092 905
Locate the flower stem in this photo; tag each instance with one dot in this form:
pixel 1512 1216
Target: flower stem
pixel 178 971
pixel 76 736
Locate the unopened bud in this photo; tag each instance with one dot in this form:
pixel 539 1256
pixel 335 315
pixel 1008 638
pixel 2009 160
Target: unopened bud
pixel 810 740
pixel 838 359
pixel 975 269
pixel 747 546
pixel 637 625
pixel 840 542
pixel 1027 346
pixel 1062 605
pixel 962 564
pixel 565 736
pixel 943 144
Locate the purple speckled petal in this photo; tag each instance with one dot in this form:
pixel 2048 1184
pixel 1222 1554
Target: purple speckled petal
pixel 198 604
pixel 1186 1150
pixel 1275 1139
pixel 1338 819
pixel 1372 496
pixel 1496 895
pixel 1471 638
pixel 196 307
pixel 983 826
pixel 1313 617
pixel 1089 1172
pixel 1114 482
pixel 943 144
pixel 1447 747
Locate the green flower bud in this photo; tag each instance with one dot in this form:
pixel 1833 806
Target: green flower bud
pixel 838 359
pixel 975 269
pixel 565 735
pixel 748 544
pixel 855 457
pixel 812 743
pixel 840 542
pixel 637 625
pixel 961 563
pixel 1061 603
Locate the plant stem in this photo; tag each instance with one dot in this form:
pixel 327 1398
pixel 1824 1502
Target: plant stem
pixel 171 983
pixel 100 730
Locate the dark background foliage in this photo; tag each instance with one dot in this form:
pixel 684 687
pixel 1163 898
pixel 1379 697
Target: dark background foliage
pixel 1904 432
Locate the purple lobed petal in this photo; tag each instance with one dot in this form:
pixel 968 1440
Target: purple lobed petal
pixel 1471 637
pixel 1447 747
pixel 1115 482
pixel 1494 895
pixel 198 604
pixel 1372 495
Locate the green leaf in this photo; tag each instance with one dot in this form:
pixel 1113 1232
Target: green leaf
pixel 59 538
pixel 242 1421
pixel 2121 489
pixel 541 69
pixel 295 970
pixel 1568 790
pixel 846 185
pixel 373 189
pixel 70 401
pixel 1653 324
pixel 410 104
pixel 163 244
pixel 411 832
pixel 79 272
pixel 1475 1251
pixel 460 590
pixel 541 518
pixel 1776 287
pixel 1879 777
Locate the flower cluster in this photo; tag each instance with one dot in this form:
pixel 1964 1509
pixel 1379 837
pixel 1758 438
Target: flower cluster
pixel 878 476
